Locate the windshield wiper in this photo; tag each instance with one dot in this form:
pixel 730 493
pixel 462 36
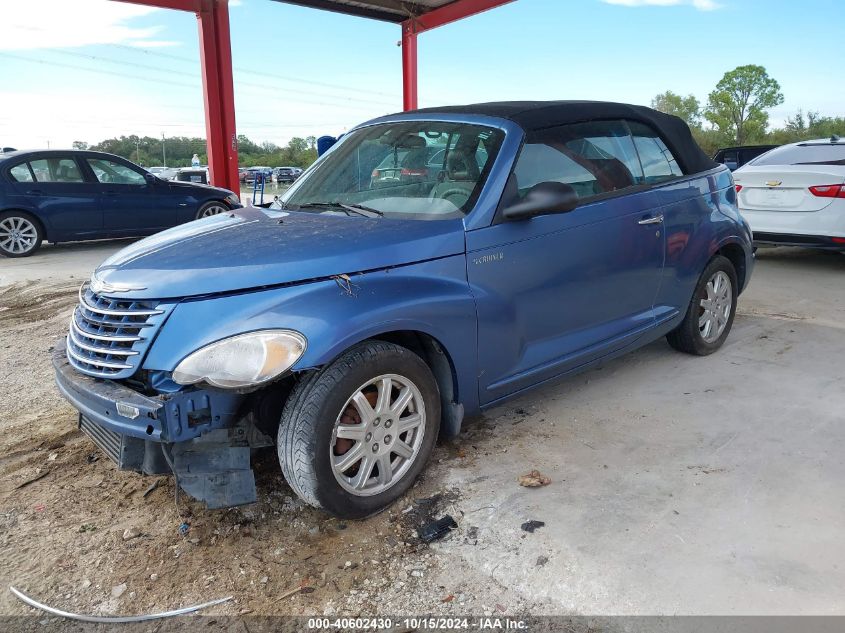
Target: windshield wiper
pixel 367 212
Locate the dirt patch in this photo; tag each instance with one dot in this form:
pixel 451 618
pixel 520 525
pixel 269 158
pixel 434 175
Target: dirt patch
pixel 32 301
pixel 65 509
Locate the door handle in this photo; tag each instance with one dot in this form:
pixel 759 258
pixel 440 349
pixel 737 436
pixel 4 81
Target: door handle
pixel 34 192
pixel 657 219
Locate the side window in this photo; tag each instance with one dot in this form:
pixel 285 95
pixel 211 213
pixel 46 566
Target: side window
pixel 56 170
pixel 593 158
pixel 658 162
pixel 110 172
pixel 21 173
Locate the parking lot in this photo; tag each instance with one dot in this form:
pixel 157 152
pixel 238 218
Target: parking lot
pixel 680 485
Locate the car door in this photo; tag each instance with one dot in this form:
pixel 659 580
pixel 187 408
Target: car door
pixel 558 290
pixel 54 187
pixel 128 199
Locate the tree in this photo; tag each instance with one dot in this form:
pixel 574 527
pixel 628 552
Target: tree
pixel 737 107
pixel 80 145
pixel 688 108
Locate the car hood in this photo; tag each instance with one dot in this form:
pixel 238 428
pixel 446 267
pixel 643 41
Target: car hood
pixel 196 186
pixel 252 248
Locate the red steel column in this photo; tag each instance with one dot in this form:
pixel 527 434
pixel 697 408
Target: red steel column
pixel 409 66
pixel 218 92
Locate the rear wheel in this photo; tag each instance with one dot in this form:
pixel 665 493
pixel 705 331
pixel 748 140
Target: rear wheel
pixel 20 234
pixel 354 436
pixel 711 311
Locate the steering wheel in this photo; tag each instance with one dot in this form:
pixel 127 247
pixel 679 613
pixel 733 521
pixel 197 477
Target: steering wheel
pixel 455 192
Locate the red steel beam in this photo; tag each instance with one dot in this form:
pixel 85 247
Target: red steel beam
pixel 409 67
pixel 453 12
pixel 217 84
pixel 178 5
pixel 218 93
pixel 446 14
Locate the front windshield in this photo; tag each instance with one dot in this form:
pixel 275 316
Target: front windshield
pixel 417 170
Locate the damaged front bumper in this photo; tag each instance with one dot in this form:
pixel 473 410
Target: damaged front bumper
pixel 203 436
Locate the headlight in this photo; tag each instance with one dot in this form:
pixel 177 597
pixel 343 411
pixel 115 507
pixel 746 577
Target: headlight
pixel 233 198
pixel 244 360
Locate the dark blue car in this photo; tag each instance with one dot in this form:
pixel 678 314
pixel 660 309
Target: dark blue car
pixel 70 195
pixel 357 320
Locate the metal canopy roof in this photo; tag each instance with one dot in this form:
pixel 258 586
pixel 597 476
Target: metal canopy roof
pixel 386 10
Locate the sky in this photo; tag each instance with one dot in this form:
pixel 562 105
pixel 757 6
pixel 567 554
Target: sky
pixel 93 69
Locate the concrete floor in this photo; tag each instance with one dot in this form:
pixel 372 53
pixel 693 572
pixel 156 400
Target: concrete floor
pixel 72 260
pixel 681 485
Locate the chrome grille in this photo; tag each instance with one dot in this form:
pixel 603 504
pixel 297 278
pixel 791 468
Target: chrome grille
pixel 108 337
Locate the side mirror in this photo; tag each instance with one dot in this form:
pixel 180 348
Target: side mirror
pixel 542 198
pixel 150 178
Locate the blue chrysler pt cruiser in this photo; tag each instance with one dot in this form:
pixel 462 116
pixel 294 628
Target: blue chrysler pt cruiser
pixel 432 264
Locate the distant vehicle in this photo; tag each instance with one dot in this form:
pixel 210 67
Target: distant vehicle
pixel 795 195
pixel 70 195
pixel 165 173
pixel 242 174
pixel 198 175
pixel 251 172
pixel 735 157
pixel 286 174
pixel 362 322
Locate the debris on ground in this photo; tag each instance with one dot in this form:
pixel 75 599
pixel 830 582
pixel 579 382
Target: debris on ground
pixel 530 526
pixel 436 529
pixel 472 535
pixel 542 560
pixel 152 487
pixel 534 479
pixel 40 475
pixel 184 528
pixel 118 590
pixel 130 533
pixel 114 619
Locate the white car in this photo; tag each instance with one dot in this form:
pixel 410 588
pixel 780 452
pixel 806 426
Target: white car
pixel 794 195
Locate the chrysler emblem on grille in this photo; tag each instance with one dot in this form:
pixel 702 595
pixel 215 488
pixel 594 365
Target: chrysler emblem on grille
pixel 99 285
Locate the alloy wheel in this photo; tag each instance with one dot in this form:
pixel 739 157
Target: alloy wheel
pixel 377 435
pixel 212 209
pixel 715 307
pixel 17 235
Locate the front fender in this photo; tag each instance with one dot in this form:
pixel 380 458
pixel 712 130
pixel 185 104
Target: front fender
pixel 431 297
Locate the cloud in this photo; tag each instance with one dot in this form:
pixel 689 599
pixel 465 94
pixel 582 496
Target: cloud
pixel 39 24
pixel 701 5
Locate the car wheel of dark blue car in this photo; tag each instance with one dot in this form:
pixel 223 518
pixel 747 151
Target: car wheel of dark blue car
pixel 354 436
pixel 20 234
pixel 711 311
pixel 211 208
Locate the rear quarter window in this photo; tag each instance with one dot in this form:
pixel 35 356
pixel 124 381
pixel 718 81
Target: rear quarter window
pixel 21 173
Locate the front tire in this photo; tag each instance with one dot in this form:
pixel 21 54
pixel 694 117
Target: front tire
pixel 355 435
pixel 711 311
pixel 215 207
pixel 20 234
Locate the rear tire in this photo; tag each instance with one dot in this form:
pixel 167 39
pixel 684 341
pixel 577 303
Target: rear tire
pixel 345 423
pixel 20 234
pixel 712 303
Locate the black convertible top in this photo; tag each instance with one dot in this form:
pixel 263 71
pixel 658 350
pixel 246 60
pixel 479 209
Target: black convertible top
pixel 538 115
